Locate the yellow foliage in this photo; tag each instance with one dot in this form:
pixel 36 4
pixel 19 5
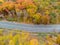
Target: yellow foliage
pixel 50 43
pixel 8 5
pixel 58 39
pixel 31 9
pixel 20 43
pixel 2 43
pixel 24 35
pixel 45 19
pixel 1 8
pixel 17 36
pixel 1 30
pixel 34 42
pixel 37 16
pixel 2 1
pixel 17 5
pixel 11 42
pixel 24 38
pixel 10 36
pixel 47 12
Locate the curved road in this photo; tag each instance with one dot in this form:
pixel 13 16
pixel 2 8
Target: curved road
pixel 30 27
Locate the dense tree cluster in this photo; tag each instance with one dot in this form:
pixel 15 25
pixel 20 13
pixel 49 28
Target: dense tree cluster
pixel 17 37
pixel 31 11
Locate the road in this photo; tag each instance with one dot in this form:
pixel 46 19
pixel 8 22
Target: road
pixel 30 27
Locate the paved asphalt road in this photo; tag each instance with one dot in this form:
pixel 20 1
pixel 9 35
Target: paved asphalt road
pixel 30 27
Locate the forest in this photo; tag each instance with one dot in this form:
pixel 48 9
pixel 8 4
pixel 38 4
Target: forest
pixel 18 37
pixel 30 11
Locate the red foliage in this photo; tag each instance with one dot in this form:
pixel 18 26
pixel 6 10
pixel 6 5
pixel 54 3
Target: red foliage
pixel 21 6
pixel 24 3
pixel 27 1
pixel 19 1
